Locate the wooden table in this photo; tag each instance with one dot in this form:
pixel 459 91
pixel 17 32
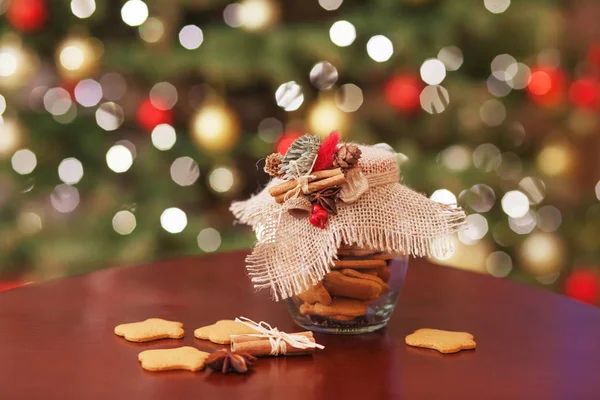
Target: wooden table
pixel 57 341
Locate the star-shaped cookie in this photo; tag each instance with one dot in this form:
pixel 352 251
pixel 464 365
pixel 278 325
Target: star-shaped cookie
pixel 150 329
pixel 186 357
pixel 221 331
pixel 442 341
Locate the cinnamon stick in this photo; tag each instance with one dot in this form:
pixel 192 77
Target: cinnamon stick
pixel 289 185
pixel 359 263
pixel 335 180
pixel 261 346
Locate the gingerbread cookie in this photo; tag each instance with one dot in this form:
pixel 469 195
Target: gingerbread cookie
pixel 339 284
pixel 442 341
pixel 338 307
pixel 150 329
pixel 186 357
pixel 316 294
pixel 221 331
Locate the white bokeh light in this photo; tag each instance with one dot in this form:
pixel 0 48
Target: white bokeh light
pixel 2 104
pixel 504 67
pixel 443 196
pixel 221 179
pixel 23 161
pixel 163 137
pixel 29 223
pixel 124 222
pixel 289 96
pixel 8 62
pixel 163 96
pixel 342 33
pixel 134 12
pixel 492 112
pixel 83 8
pixel 57 101
pixel 119 158
pixel 498 264
pixel 452 57
pixel 209 240
pixel 433 71
pixel 173 220
pixel 88 92
pixel 380 48
pixel 515 204
pixel 191 37
pixel 109 116
pixel 71 57
pixel 70 170
pixel 184 171
pixel 64 198
pixel 477 227
pixel 496 6
pixel 330 5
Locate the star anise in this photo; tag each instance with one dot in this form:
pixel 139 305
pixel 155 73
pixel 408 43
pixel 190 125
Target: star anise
pixel 226 361
pixel 326 198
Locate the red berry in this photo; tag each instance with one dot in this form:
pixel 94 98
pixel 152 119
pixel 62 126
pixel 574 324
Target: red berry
pixel 316 208
pixel 314 220
pixel 321 214
pixel 322 223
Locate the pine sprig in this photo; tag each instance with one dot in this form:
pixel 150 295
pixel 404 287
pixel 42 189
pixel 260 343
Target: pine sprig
pixel 300 157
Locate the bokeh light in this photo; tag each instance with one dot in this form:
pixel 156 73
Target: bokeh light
pixel 549 219
pixel 434 99
pixel 109 116
pixel 23 161
pixel 191 37
pixel 29 223
pixel 119 158
pixel 515 204
pixel 114 86
pixel 163 137
pixel 534 188
pixel 256 15
pixel 185 171
pixel 487 157
pixel 456 157
pixel 433 71
pixel 480 197
pixel 323 75
pixel 64 198
pixel 496 6
pixel 134 12
pixel 163 96
pixel 452 57
pixel 57 101
pixel 289 96
pixel 522 225
pixel 88 92
pixel 70 170
pixel 542 254
pixel 504 67
pixel 330 5
pixel 380 48
pixel 499 264
pixel 124 222
pixel 2 104
pixel 342 33
pixel 221 179
pixel 324 117
pixel 152 30
pixel 83 8
pixel 10 136
pixel 443 196
pixel 173 220
pixel 492 112
pixel 270 129
pixel 349 97
pixel 209 240
pixel 215 128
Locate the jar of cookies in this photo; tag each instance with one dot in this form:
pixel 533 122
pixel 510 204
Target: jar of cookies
pixel 334 228
pixel 357 296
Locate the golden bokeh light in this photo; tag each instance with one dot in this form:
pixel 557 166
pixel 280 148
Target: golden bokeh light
pixel 325 116
pixel 215 128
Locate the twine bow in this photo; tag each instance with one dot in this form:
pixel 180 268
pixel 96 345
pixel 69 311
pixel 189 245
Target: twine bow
pixel 278 340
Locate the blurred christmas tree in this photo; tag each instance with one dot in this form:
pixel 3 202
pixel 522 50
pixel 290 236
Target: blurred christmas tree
pixel 126 128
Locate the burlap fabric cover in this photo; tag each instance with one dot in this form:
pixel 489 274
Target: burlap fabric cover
pixel 291 255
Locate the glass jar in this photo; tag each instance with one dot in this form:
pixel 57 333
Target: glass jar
pixel 358 295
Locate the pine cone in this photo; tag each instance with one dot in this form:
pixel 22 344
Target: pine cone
pixel 272 164
pixel 347 156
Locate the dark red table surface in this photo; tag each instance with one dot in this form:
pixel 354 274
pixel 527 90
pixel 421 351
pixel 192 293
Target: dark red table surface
pixel 57 341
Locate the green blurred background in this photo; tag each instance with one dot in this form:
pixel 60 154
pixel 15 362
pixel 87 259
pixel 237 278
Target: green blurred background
pixel 128 127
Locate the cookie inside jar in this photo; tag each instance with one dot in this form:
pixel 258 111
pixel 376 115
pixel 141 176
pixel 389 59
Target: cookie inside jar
pixel 358 294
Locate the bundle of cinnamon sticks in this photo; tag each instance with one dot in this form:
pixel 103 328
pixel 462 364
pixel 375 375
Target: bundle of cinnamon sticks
pixel 256 345
pixel 316 181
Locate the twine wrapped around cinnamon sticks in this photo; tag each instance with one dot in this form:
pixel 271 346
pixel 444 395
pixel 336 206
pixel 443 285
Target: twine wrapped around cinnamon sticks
pixel 272 342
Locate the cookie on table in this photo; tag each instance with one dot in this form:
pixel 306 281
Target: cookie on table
pixel 440 340
pixel 186 358
pixel 150 329
pixel 221 331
